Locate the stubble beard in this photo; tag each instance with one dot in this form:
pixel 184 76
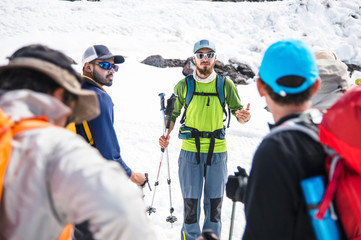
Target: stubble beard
pixel 102 80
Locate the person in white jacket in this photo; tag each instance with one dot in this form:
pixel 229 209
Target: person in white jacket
pixel 54 177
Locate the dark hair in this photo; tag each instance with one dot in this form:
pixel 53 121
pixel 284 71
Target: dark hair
pixel 296 99
pixel 26 78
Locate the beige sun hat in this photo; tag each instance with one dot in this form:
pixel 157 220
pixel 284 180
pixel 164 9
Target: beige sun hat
pixel 326 54
pixel 58 67
pixel 334 79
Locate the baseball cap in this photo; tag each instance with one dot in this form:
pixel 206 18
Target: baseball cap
pixel 204 44
pixel 100 52
pixel 58 67
pixel 288 58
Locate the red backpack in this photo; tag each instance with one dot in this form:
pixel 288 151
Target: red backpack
pixel 340 132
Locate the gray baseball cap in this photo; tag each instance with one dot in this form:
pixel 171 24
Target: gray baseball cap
pixel 100 52
pixel 204 44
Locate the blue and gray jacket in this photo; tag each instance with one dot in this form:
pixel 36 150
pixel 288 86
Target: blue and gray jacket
pixel 99 132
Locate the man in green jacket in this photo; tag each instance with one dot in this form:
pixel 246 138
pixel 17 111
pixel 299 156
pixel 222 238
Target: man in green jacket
pixel 204 152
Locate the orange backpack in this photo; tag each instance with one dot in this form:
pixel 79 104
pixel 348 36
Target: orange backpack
pixel 9 128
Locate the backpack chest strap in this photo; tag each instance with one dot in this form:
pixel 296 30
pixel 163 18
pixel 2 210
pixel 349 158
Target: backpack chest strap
pixel 205 94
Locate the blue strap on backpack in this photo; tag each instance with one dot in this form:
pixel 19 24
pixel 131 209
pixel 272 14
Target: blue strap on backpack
pixel 220 81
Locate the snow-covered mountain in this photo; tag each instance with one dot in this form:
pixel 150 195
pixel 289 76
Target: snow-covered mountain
pixel 242 31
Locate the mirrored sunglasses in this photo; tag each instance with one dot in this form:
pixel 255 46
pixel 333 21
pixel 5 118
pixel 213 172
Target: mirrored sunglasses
pixel 209 55
pixel 107 65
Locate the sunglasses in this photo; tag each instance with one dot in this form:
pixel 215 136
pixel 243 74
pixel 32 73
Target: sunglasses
pixel 209 55
pixel 107 66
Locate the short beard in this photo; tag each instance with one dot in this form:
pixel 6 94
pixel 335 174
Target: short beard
pixel 102 81
pixel 206 70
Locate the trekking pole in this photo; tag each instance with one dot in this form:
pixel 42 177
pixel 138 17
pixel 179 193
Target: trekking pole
pixel 151 209
pixel 169 111
pixel 232 221
pixel 241 173
pixel 145 182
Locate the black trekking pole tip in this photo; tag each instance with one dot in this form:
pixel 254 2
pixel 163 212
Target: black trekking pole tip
pixel 151 210
pixel 171 219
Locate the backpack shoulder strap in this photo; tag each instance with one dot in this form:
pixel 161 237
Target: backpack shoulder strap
pixel 190 83
pixel 220 89
pixel 306 122
pixel 291 126
pixel 221 81
pixel 190 90
pixel 6 137
pixel 28 124
pixel 220 84
pixel 9 128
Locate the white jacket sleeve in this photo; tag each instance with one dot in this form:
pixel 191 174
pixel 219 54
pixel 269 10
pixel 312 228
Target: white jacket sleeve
pixel 86 187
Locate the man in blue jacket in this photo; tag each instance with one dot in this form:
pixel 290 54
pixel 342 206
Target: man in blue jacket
pixel 99 65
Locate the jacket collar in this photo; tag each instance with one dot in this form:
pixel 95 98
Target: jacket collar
pixel 20 104
pixel 92 82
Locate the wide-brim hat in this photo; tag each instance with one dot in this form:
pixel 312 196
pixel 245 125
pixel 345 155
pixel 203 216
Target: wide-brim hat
pixel 334 82
pixel 87 105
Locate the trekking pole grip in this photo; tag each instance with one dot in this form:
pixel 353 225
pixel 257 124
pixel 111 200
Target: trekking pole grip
pixel 162 106
pixel 170 108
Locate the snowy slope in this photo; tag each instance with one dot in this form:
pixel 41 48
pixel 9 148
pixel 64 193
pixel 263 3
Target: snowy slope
pixel 137 29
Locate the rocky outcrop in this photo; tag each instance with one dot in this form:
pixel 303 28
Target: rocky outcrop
pixel 239 73
pixel 159 61
pixel 352 67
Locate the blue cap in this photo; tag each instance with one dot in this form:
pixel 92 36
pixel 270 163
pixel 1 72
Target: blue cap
pixel 288 58
pixel 204 44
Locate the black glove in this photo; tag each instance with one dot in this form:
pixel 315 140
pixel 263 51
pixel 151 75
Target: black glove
pixel 236 185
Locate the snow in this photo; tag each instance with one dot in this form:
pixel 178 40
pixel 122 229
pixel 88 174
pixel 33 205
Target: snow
pixel 137 29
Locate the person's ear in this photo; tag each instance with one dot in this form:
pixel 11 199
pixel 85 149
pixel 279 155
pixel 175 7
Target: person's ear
pixel 88 68
pixel 260 87
pixel 58 94
pixel 316 86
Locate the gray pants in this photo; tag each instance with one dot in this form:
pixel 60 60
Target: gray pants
pixel 191 176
